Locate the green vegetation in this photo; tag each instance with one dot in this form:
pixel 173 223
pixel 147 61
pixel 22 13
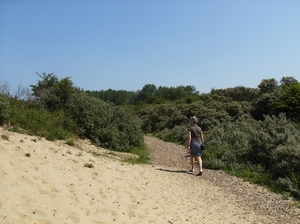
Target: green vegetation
pixel 142 153
pixel 70 141
pixel 5 137
pixel 106 125
pixel 59 110
pixel 252 133
pixel 148 95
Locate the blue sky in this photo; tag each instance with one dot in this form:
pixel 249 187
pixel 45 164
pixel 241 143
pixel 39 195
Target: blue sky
pixel 124 45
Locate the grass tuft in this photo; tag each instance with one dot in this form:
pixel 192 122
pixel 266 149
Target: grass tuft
pixel 89 165
pixel 143 155
pixel 27 154
pixel 70 141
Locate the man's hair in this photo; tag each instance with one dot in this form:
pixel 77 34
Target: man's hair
pixel 194 119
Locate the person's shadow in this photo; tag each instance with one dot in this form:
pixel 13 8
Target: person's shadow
pixel 173 171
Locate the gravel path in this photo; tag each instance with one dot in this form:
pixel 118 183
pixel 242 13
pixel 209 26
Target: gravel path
pixel 256 198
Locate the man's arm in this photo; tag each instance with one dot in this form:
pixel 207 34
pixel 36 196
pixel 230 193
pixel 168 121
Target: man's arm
pixel 202 137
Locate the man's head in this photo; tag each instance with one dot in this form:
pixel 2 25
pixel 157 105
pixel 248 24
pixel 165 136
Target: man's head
pixel 194 120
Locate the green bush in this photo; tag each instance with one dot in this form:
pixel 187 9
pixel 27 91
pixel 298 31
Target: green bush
pixel 177 134
pixel 106 125
pixel 4 109
pixel 289 185
pixel 40 122
pixel 275 144
pixel 272 145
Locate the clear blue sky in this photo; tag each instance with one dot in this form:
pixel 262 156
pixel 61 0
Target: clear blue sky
pixel 126 44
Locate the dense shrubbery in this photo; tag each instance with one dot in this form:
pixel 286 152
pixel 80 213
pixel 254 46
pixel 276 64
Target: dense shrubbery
pixel 59 111
pixel 37 121
pixel 269 147
pixel 106 125
pixel 4 109
pixel 250 132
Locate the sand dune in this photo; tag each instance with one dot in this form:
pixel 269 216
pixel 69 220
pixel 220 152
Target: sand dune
pixel 48 182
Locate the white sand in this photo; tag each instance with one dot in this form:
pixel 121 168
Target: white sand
pixel 54 186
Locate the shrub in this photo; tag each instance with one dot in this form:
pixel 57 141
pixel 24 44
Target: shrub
pixel 269 147
pixel 275 144
pixel 39 122
pixel 5 137
pixel 106 125
pixel 4 109
pixel 290 186
pixel 177 134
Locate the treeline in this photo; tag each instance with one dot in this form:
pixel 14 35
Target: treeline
pixel 149 94
pixel 250 132
pixel 270 98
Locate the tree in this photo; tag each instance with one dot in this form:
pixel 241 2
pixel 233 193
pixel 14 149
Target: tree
pixel 268 96
pixel 289 102
pixel 288 81
pixel 190 90
pixel 51 92
pixel 267 85
pixel 239 93
pixel 147 91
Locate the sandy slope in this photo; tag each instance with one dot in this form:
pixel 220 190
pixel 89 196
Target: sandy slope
pixel 52 185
